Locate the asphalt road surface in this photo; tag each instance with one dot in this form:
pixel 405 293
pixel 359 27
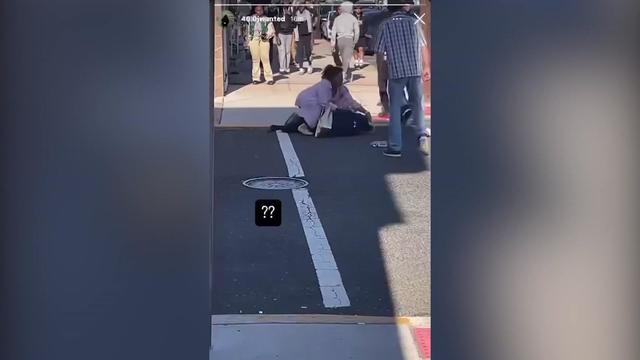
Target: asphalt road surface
pixel 374 210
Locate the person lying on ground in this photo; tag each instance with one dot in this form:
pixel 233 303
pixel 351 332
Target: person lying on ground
pixel 349 116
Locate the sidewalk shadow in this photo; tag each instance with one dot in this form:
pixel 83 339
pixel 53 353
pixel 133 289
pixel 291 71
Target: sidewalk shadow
pixel 350 183
pixel 277 77
pixel 266 117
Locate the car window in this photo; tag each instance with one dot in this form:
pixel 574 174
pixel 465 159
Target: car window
pixel 324 10
pixel 332 17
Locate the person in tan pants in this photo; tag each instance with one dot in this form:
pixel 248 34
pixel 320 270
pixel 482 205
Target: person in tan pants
pixel 259 32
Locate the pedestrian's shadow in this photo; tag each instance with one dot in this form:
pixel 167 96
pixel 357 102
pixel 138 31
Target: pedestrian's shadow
pixel 279 76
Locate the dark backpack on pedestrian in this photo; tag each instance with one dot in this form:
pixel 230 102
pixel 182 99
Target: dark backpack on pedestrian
pixel 286 27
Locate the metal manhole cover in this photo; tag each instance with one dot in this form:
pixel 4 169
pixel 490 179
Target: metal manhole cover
pixel 275 183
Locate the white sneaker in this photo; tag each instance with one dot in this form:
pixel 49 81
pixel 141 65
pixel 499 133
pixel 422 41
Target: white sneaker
pixel 304 129
pixel 309 70
pixel 424 145
pixel 286 71
pixel 301 71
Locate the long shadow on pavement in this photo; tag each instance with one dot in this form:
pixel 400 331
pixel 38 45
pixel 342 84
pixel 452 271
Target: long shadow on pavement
pixel 363 200
pixel 375 213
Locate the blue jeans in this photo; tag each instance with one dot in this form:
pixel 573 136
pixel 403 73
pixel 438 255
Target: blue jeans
pixel 396 101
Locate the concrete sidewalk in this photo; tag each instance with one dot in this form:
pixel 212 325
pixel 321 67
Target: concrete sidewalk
pixel 263 105
pixel 319 337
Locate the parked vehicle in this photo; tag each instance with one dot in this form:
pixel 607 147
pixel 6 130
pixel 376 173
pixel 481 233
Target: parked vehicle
pixel 367 4
pixel 372 17
pixel 326 9
pixel 328 23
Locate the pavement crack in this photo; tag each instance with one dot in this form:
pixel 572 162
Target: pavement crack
pixel 335 296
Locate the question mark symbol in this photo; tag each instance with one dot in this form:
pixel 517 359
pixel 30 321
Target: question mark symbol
pixel 272 208
pixel 264 209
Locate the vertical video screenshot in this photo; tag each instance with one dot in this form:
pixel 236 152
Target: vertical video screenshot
pixel 322 129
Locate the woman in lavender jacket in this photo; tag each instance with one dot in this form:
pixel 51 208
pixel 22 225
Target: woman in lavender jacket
pixel 349 117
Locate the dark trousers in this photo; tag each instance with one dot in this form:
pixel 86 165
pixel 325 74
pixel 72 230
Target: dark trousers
pixel 274 56
pixel 305 44
pixel 345 123
pixel 291 125
pixel 383 79
pixel 348 123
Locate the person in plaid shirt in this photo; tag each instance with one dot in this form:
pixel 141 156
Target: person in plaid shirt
pixel 403 42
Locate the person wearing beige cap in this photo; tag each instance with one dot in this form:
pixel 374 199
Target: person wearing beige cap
pixel 344 34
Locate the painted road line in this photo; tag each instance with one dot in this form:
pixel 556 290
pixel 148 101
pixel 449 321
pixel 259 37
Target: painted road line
pixel 290 156
pixel 333 292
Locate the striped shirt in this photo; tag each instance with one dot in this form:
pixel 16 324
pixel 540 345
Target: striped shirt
pixel 401 38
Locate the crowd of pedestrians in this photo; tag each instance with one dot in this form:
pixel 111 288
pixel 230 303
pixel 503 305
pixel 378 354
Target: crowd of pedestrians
pixel 291 37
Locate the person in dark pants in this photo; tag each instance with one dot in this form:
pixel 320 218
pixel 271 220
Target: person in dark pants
pixel 383 78
pixel 349 123
pixel 349 117
pixel 382 70
pixel 304 37
pixel 358 56
pixel 315 22
pixel 274 56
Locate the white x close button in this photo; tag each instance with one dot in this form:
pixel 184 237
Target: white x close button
pixel 419 18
